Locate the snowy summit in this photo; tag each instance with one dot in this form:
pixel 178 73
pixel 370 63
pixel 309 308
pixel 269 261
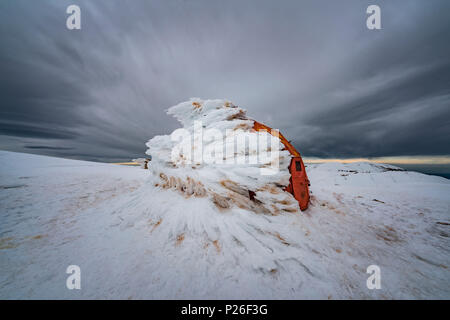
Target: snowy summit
pixel 187 229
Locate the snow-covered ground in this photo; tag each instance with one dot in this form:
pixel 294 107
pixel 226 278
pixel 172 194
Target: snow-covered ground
pixel 133 240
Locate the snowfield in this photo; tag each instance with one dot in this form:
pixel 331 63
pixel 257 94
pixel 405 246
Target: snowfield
pixel 133 240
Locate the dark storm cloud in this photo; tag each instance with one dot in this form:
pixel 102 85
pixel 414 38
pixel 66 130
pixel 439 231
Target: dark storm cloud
pixel 310 68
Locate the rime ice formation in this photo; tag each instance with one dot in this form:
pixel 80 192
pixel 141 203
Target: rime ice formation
pixel 209 157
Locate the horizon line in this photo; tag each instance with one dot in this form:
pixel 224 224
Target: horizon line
pixel 392 159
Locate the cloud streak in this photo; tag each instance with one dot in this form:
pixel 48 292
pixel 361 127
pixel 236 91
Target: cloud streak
pixel 309 68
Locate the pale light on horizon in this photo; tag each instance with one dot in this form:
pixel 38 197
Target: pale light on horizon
pixel 395 160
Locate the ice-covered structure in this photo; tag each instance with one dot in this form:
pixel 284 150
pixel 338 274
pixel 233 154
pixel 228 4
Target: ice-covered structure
pixel 217 154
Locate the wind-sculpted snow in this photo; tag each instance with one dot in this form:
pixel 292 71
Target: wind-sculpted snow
pixel 218 155
pixel 133 240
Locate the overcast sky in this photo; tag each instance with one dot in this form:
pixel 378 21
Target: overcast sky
pixel 310 68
